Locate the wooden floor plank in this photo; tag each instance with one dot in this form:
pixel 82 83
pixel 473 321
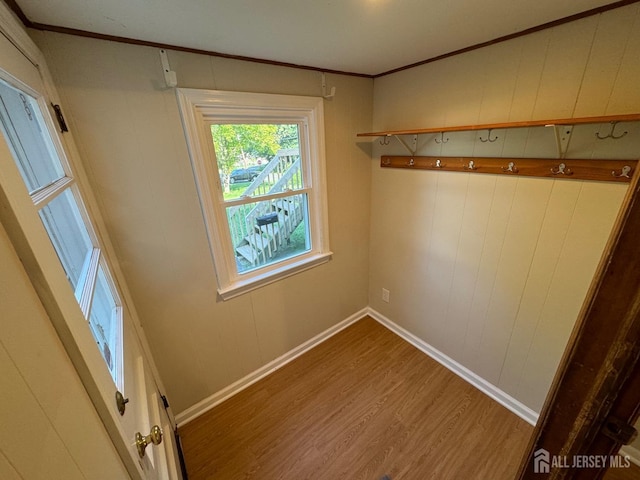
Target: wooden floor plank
pixel 363 404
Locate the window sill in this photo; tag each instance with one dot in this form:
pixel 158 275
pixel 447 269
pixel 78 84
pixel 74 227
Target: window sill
pixel 243 286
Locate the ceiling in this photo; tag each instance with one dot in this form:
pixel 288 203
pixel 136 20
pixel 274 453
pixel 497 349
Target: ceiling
pixel 358 36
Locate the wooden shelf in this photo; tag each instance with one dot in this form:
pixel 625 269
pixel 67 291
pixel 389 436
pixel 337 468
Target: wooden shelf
pixel 632 117
pixel 577 169
pixel 587 169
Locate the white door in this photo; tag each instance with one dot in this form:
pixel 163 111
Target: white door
pixel 51 223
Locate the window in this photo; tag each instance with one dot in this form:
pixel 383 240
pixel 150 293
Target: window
pixel 53 190
pixel 258 161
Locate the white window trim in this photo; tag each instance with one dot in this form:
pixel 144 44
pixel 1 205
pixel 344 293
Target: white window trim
pixel 199 109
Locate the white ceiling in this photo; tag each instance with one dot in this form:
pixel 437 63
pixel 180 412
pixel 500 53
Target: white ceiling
pixel 360 36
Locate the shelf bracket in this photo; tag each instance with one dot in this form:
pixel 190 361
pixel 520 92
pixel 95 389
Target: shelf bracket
pixel 563 137
pixel 412 151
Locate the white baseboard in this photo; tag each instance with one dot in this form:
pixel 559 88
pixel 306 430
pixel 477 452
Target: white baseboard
pixel 632 452
pixel 480 383
pixel 208 403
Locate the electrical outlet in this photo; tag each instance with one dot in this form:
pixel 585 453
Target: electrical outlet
pixel 385 295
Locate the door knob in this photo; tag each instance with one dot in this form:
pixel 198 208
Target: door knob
pixel 154 437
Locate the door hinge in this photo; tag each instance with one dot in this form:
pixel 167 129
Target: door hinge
pixel 60 118
pixel 619 430
pixel 165 402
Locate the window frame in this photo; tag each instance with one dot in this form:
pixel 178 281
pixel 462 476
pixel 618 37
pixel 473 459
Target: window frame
pixel 41 198
pixel 200 109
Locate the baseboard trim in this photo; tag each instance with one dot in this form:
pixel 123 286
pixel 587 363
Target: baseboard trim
pixel 210 402
pixel 632 452
pixel 507 401
pixel 481 384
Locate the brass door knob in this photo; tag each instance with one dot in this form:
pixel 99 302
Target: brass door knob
pixel 154 437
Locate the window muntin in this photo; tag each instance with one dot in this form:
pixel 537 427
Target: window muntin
pixel 52 188
pixel 204 110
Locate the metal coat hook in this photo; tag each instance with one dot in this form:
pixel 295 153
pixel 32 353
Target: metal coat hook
pixel 386 161
pixel 385 140
pixel 489 139
pixel 626 170
pixel 471 165
pixel 510 168
pixel 442 140
pixel 611 134
pixel 438 164
pixel 411 163
pixel 562 170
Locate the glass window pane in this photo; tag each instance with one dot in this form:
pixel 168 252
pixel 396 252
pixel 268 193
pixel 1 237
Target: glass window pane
pixel 104 321
pixel 23 126
pixel 257 159
pixel 69 235
pixel 269 231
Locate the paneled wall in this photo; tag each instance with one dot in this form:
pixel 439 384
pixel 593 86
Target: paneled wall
pixel 50 428
pixel 492 270
pixel 128 130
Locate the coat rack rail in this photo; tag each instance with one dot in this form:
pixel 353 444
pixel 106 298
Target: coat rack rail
pixel 578 169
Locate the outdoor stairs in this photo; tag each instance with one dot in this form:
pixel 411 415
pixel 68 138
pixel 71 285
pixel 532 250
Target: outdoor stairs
pixel 268 230
pixel 265 240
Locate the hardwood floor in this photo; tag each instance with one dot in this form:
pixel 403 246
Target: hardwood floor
pixel 361 405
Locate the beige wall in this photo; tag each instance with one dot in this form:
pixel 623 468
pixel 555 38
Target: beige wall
pixel 50 428
pixel 492 270
pixel 127 127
